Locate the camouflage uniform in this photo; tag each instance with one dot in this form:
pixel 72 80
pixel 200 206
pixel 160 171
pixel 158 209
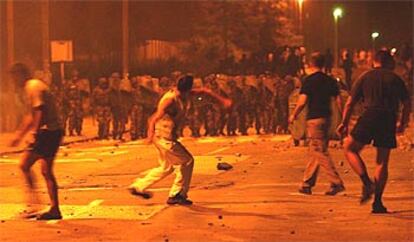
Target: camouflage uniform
pixel 250 105
pixel 196 115
pixel 59 98
pixel 102 107
pixel 215 113
pixel 137 112
pixel 264 108
pixel 119 108
pixel 149 104
pixel 236 117
pixel 75 114
pixel 283 91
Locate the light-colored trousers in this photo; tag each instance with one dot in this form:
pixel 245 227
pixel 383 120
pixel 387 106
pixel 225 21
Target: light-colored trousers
pixel 173 157
pixel 317 130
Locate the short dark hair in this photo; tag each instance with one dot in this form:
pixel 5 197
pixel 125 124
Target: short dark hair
pixel 21 69
pixel 185 83
pixel 385 58
pixel 317 59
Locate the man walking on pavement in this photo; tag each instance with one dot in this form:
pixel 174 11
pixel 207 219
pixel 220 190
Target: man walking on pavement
pixel 43 124
pixel 173 156
pixel 381 91
pixel 317 92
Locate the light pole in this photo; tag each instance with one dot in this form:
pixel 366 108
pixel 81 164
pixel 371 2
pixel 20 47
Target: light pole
pixel 337 13
pixel 374 36
pixel 300 5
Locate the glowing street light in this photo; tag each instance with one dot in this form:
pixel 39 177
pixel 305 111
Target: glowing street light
pixel 374 36
pixel 337 13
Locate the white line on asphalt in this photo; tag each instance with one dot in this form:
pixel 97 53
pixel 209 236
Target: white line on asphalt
pixel 81 211
pixel 90 188
pixel 218 151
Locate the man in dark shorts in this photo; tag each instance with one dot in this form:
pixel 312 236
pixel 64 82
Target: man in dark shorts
pixel 42 122
pixel 381 91
pixel 318 91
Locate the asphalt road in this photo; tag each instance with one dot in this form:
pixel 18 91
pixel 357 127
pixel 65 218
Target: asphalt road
pixel 255 201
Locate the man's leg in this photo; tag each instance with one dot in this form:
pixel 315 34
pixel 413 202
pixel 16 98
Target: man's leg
pixel 326 162
pixel 26 162
pixel 155 175
pixel 380 178
pixel 352 149
pixel 52 188
pixel 311 172
pixel 184 170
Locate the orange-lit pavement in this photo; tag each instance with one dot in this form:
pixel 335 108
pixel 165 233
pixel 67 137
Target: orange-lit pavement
pixel 255 201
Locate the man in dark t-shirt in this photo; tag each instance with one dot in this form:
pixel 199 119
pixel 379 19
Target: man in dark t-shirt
pixel 43 125
pixel 317 92
pixel 381 91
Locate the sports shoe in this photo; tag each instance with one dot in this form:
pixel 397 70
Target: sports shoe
pixel 180 200
pixel 367 192
pixel 305 190
pixel 335 189
pixel 378 208
pixel 135 192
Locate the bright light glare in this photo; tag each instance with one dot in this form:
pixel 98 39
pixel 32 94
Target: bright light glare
pixel 337 13
pixel 375 35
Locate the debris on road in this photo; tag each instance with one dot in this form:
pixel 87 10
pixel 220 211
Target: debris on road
pixel 224 166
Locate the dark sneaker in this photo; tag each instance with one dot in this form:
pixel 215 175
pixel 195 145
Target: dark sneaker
pixel 49 215
pixel 305 190
pixel 334 190
pixel 367 192
pixel 135 192
pixel 179 200
pixel 378 208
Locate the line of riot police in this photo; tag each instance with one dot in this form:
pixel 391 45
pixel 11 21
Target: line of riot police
pixel 123 105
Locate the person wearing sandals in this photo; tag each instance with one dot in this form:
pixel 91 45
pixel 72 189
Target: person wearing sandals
pixel 381 91
pixel 42 122
pixel 173 156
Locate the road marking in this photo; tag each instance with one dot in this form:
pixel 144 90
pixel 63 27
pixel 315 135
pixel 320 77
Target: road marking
pixel 218 151
pixel 16 160
pixel 93 210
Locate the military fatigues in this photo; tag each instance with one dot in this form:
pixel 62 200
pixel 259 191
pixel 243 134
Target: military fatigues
pixel 102 107
pixel 215 113
pixel 282 94
pixel 59 99
pixel 265 109
pixel 196 115
pixel 119 108
pixel 149 106
pixel 236 116
pixel 137 114
pixel 75 110
pixel 250 108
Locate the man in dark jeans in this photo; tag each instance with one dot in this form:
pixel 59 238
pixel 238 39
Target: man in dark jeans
pixel 317 92
pixel 381 91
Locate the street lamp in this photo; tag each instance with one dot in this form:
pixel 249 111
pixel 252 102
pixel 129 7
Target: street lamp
pixel 374 36
pixel 300 4
pixel 337 13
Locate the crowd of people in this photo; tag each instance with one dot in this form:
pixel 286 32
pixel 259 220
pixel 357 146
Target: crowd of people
pixel 121 106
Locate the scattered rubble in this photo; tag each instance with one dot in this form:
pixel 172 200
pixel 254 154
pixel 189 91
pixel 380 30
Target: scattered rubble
pixel 224 166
